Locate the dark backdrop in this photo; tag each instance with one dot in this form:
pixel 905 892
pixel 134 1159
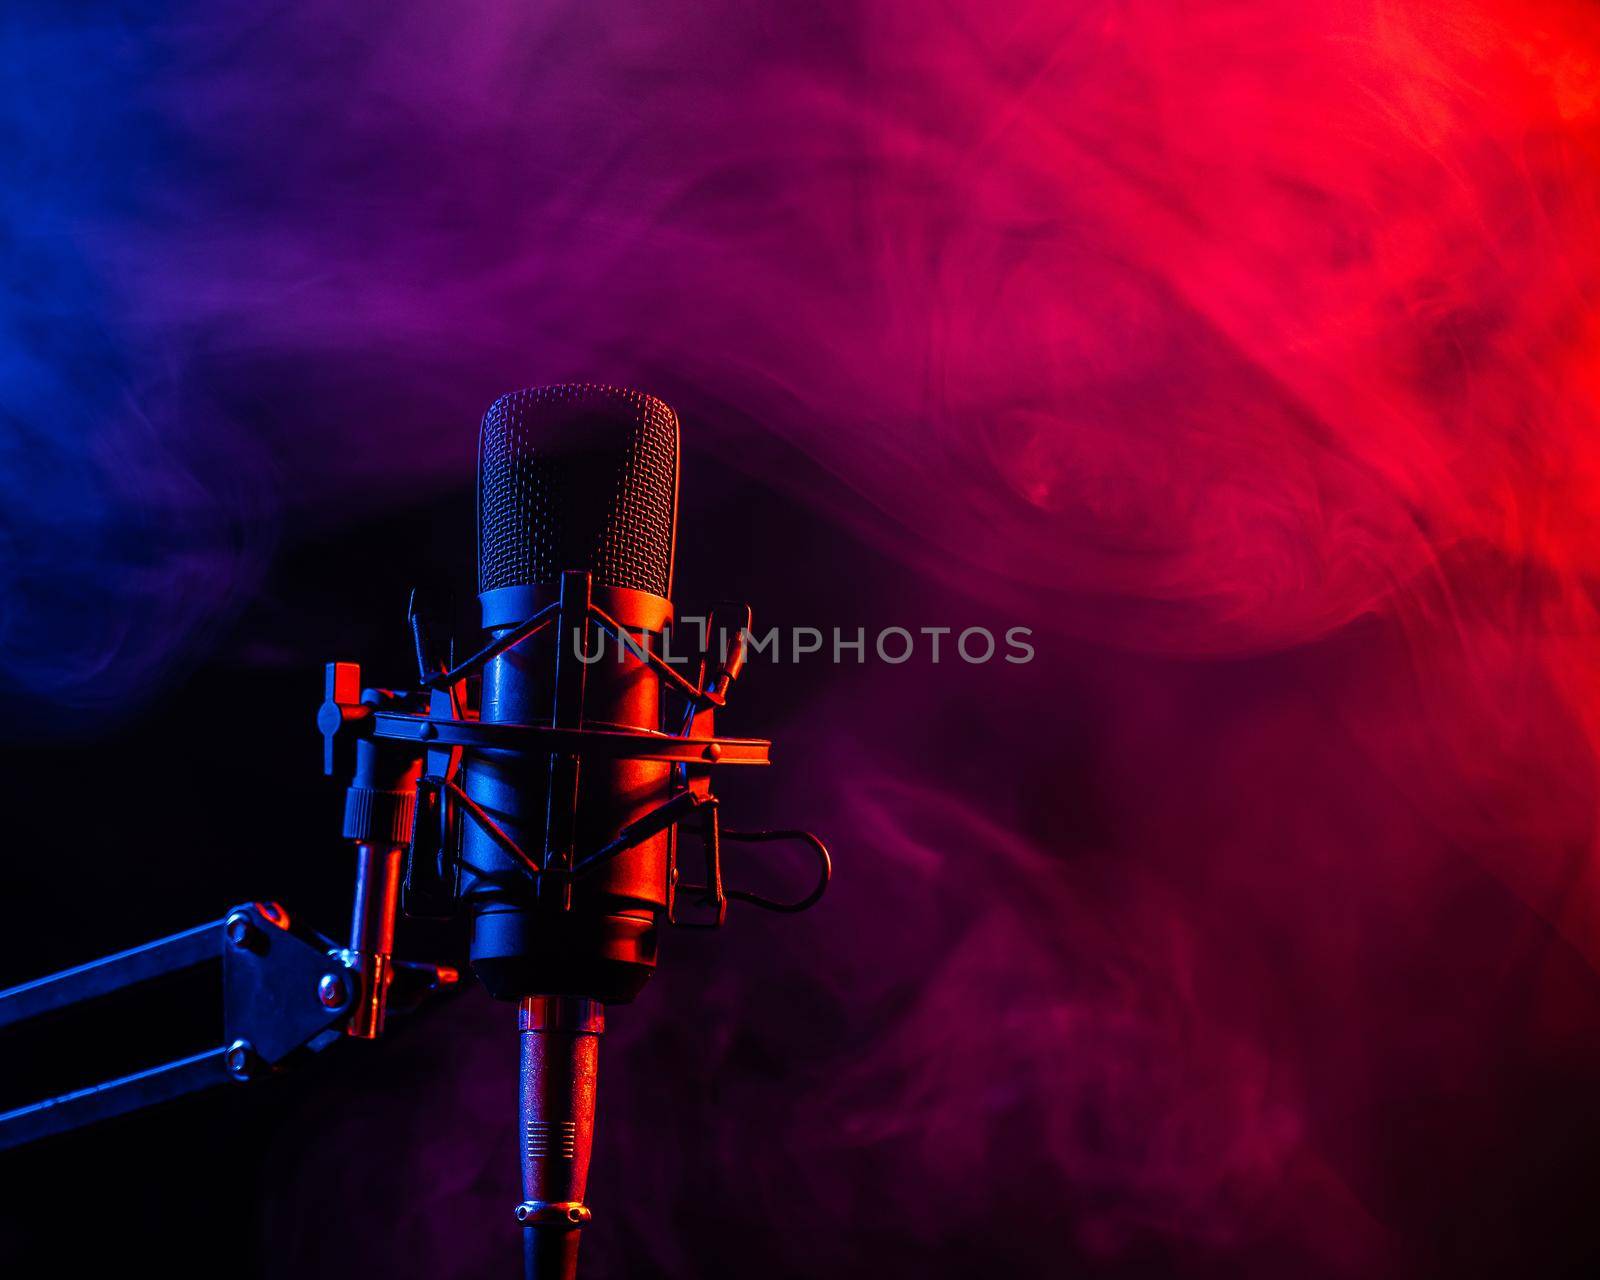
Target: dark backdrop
pixel 1245 351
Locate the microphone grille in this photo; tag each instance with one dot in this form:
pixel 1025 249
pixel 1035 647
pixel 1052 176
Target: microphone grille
pixel 578 476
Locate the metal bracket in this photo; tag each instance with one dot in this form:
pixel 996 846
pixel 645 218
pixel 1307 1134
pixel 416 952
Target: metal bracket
pixel 285 989
pixel 281 989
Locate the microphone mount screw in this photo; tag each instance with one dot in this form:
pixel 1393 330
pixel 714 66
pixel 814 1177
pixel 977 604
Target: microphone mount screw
pixel 239 931
pixel 332 992
pixel 240 1059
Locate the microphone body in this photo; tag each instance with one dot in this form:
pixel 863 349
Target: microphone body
pixel 602 943
pixel 577 494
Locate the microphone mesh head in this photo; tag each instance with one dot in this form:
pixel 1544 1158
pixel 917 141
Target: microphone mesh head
pixel 578 477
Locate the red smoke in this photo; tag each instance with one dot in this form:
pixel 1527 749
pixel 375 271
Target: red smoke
pixel 1253 339
pixel 1245 351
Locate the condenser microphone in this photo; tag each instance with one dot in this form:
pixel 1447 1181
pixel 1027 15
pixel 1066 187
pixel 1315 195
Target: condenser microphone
pixel 577 511
pixel 571 479
pixel 538 787
pixel 549 806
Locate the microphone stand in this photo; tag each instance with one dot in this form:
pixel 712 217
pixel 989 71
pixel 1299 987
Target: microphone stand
pixel 288 991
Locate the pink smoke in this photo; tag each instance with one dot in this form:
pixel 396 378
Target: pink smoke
pixel 1246 351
